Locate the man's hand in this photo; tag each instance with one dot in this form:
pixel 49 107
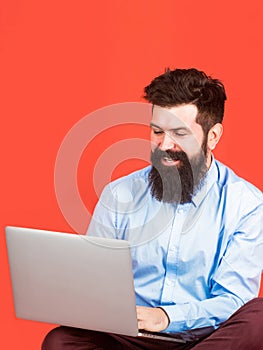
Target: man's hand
pixel 151 319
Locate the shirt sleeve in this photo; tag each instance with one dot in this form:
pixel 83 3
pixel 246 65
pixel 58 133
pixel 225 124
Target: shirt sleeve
pixel 103 222
pixel 235 281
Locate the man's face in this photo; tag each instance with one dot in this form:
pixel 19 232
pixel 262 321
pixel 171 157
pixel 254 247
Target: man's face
pixel 179 156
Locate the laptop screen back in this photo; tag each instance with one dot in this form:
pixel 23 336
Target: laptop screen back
pixel 72 280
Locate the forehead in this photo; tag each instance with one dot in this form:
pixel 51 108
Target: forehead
pixel 183 116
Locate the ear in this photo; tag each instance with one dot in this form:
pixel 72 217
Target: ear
pixel 214 136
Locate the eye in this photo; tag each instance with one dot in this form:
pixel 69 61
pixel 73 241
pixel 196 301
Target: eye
pixel 178 133
pixel 157 132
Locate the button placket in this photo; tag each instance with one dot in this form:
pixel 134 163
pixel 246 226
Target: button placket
pixel 170 279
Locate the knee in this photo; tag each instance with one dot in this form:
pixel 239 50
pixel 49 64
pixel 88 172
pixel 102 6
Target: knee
pixel 252 321
pixel 54 339
pixel 255 306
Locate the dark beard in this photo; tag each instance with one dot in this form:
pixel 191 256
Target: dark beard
pixel 172 184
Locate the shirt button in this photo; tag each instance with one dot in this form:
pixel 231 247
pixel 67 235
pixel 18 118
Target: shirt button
pixel 169 283
pixel 172 248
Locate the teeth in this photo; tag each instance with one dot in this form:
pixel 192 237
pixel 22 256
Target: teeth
pixel 168 159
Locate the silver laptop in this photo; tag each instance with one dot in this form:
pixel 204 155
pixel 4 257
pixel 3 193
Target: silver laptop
pixel 75 280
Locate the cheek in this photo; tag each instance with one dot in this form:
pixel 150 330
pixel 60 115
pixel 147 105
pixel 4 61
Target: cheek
pixel 155 141
pixel 153 146
pixel 191 146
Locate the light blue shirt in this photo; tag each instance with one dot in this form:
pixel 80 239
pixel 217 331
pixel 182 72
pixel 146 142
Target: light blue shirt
pixel 199 261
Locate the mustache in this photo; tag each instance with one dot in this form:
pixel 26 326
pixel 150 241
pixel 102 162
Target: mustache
pixel 158 154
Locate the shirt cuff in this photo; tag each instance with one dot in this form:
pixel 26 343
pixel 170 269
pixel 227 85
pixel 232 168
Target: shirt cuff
pixel 176 317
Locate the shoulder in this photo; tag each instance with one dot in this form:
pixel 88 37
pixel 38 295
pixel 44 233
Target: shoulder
pixel 141 174
pixel 129 186
pixel 237 187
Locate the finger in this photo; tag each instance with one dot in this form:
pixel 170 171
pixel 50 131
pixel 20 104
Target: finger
pixel 140 313
pixel 141 325
pixel 139 309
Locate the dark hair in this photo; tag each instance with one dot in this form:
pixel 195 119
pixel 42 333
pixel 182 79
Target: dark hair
pixel 189 86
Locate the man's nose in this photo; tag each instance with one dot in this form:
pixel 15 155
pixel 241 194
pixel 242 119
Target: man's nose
pixel 167 142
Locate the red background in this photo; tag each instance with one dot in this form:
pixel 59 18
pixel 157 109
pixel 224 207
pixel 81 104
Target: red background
pixel 61 60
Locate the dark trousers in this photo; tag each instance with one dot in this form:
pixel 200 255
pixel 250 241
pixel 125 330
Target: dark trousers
pixel 242 331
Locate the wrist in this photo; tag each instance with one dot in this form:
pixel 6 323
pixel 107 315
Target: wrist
pixel 165 318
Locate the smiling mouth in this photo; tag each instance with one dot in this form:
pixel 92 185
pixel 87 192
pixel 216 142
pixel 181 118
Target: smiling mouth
pixel 169 161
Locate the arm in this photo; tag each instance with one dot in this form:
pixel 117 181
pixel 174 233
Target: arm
pixel 103 222
pixel 236 279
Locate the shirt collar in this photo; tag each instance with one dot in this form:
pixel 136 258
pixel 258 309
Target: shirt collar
pixel 209 180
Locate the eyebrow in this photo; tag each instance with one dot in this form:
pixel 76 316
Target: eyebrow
pixel 174 129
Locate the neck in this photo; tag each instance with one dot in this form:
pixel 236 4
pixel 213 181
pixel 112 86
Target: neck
pixel 209 159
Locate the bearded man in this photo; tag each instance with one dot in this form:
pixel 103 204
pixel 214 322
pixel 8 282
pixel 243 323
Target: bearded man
pixel 195 227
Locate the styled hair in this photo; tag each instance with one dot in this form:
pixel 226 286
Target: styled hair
pixel 189 86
